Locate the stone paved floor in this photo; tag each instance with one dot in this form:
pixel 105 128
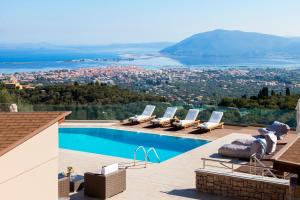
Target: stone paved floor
pixel 172 179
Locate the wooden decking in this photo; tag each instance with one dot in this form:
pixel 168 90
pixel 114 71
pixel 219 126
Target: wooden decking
pixel 197 133
pixel 288 159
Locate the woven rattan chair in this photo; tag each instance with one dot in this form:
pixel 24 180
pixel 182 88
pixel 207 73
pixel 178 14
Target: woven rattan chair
pixel 104 186
pixel 63 188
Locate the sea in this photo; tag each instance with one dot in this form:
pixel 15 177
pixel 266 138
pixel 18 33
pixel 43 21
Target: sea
pixel 30 61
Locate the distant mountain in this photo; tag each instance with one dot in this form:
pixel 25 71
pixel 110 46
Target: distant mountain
pixel 222 46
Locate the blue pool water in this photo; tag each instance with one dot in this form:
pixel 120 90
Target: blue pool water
pixel 120 143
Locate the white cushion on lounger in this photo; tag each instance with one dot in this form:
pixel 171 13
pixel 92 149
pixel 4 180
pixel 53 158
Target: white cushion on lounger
pixel 183 122
pixel 160 120
pixel 208 125
pixel 216 117
pixel 271 140
pixel 149 109
pixel 192 115
pixel 170 112
pixel 110 169
pixel 139 117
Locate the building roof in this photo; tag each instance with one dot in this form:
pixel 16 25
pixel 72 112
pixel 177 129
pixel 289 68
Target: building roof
pixel 18 127
pixel 288 159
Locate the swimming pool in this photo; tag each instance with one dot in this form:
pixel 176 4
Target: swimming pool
pixel 121 143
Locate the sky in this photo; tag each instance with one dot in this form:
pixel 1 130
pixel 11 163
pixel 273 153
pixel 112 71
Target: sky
pixel 135 21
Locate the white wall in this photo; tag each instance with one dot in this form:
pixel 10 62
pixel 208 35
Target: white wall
pixel 29 171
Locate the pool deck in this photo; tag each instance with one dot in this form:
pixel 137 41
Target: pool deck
pixel 172 179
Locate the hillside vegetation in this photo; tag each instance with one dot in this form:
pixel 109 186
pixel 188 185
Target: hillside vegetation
pixel 89 94
pixel 264 99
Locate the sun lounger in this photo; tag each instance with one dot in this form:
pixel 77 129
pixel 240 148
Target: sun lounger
pixel 190 119
pixel 145 116
pixel 213 122
pixel 167 117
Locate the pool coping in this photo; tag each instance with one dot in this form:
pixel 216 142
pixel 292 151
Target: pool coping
pixel 132 129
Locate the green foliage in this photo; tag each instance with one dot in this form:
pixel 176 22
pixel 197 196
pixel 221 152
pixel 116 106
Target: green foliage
pixel 90 94
pixel 263 100
pixel 5 96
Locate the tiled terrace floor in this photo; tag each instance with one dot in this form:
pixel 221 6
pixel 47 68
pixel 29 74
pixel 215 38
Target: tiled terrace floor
pixel 172 179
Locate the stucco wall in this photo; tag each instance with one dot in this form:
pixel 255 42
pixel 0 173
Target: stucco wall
pixel 29 171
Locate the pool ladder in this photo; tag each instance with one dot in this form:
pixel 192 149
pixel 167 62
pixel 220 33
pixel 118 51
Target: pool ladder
pixel 146 154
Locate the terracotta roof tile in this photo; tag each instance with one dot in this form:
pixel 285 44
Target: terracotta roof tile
pixel 16 128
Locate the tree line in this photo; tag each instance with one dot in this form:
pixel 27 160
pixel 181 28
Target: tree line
pixel 75 94
pixel 264 99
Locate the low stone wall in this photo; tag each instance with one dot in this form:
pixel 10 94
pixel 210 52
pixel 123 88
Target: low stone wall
pixel 241 186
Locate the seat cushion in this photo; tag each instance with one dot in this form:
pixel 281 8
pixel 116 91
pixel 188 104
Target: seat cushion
pixel 279 128
pixel 271 140
pixel 235 151
pixel 259 147
pixel 244 141
pixel 109 169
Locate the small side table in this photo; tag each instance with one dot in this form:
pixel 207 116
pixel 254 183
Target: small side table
pixel 76 183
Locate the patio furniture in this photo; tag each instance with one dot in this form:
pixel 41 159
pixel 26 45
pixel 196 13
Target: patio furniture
pixel 213 122
pixel 167 117
pixel 104 186
pixel 235 151
pixel 278 128
pixel 63 187
pixel 190 119
pixel 145 116
pixel 245 148
pixel 76 183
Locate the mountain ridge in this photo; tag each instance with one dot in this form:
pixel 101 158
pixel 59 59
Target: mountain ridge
pixel 232 44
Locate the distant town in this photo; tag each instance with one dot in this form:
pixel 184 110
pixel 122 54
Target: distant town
pixel 185 85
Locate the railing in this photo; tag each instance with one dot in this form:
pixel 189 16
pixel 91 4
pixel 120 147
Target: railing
pixel 152 149
pixel 231 165
pixel 146 154
pixel 253 164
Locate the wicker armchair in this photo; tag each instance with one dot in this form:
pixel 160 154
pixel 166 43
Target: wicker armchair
pixel 63 187
pixel 104 186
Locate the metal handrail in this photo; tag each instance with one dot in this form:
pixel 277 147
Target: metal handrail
pixel 153 149
pixel 256 160
pixel 145 154
pixel 251 165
